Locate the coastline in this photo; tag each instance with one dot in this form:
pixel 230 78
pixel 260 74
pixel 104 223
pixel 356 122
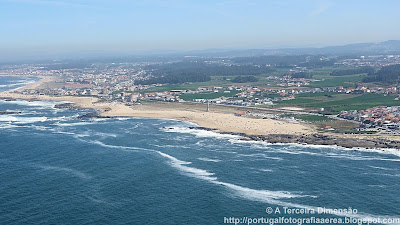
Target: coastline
pixel 220 119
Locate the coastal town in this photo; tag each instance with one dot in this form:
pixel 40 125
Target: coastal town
pixel 117 82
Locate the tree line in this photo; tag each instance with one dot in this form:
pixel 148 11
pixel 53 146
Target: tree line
pixel 352 71
pixel 387 75
pixel 181 72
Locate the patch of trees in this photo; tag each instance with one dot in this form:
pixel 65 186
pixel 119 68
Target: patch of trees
pixel 244 79
pixel 387 74
pixel 317 63
pixel 181 72
pixel 207 69
pixel 286 61
pixel 345 72
pixel 278 61
pixel 176 78
pixel 302 75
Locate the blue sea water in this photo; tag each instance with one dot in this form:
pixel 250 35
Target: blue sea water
pixel 9 83
pixel 58 169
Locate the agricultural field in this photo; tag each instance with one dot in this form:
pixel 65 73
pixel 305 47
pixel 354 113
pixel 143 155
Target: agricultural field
pixel 209 95
pixel 188 86
pixel 333 103
pixel 335 81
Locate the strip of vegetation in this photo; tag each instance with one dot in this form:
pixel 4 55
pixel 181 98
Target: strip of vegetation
pixel 387 75
pixel 340 102
pixel 181 72
pixel 178 78
pixel 244 79
pixel 209 95
pixel 353 71
pixel 312 118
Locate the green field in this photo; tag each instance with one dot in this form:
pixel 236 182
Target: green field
pixel 335 81
pixel 188 86
pixel 209 95
pixel 312 118
pixel 333 103
pixel 326 80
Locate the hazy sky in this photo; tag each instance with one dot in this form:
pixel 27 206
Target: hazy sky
pixel 59 25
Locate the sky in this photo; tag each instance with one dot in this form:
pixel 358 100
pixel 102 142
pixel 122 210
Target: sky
pixel 148 25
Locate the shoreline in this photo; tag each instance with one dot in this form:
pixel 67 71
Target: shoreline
pixel 220 119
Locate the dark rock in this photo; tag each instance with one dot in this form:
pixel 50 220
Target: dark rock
pixel 202 128
pixel 92 115
pixel 8 113
pixel 72 106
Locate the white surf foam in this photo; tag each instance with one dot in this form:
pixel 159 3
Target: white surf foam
pixel 200 133
pixel 333 152
pixel 21 119
pixel 42 104
pixel 100 119
pixel 73 124
pixel 358 215
pixel 18 83
pixel 209 160
pixel 265 196
pixel 7 126
pixel 64 132
pixel 125 148
pixel 382 168
pixel 259 156
pixel 240 191
pixel 383 174
pixel 266 170
pixel 171 146
pixel 41 128
pixel 190 171
pixel 122 118
pixel 66 170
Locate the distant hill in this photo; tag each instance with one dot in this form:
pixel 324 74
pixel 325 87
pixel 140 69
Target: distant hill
pixel 376 48
pixel 386 47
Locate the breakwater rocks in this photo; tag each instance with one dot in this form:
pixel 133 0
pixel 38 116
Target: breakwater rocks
pixel 315 139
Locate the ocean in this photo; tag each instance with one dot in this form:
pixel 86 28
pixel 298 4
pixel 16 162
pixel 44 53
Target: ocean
pixel 58 169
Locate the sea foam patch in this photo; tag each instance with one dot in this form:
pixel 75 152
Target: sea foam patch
pixel 266 196
pixel 21 119
pixel 66 170
pixel 200 133
pixel 42 104
pixel 208 159
pixel 240 190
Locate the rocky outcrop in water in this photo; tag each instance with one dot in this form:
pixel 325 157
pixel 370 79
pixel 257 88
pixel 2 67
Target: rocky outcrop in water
pixel 316 139
pixel 72 106
pixel 319 139
pixel 92 115
pixel 9 112
pixel 7 99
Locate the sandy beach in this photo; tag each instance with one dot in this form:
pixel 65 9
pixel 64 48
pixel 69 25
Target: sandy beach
pixel 219 118
pixel 43 80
